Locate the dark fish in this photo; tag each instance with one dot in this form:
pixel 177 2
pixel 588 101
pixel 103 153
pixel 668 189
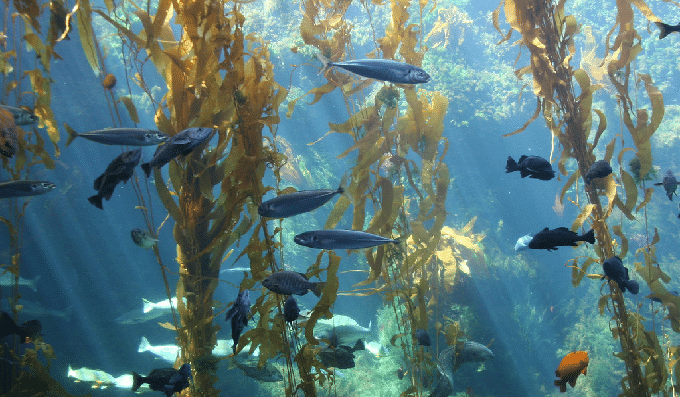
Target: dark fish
pixel 291 311
pixel 341 357
pixel 615 271
pixel 532 166
pixel 266 373
pixel 571 366
pixel 341 239
pixel 599 169
pixel 167 380
pixel 9 142
pixel 121 136
pixel 119 170
pixel 287 205
pixel 400 373
pixel 21 116
pixel 143 238
pixel 27 332
pixel 657 298
pixel 665 29
pixel 560 237
pixel 451 358
pixel 380 69
pixel 670 184
pixel 25 188
pixel 178 145
pixel 423 337
pixel 238 314
pixel 285 282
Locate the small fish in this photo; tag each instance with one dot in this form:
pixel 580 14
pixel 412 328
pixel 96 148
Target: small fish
pixel 670 184
pixel 21 115
pixel 121 136
pixel 27 332
pixel 401 373
pixel 143 238
pixel 380 69
pixel 423 338
pixel 238 314
pixel 550 239
pixel 119 170
pixel 266 373
pixel 615 271
pixel 291 310
pixel 522 243
pixel 341 239
pixel 532 166
pixel 599 169
pixel 109 82
pixel 571 366
pixel 285 282
pixel 167 380
pixel 181 144
pixel 9 141
pixel 25 188
pixel 7 280
pixel 665 29
pixel 287 205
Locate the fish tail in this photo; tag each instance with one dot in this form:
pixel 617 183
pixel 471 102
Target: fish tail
pixel 562 385
pixel 663 29
pixel 33 284
pixel 147 169
pixel 72 134
pixel 511 165
pixel 589 237
pixel 96 200
pixel 325 61
pixel 143 345
pixel 137 381
pixel 318 287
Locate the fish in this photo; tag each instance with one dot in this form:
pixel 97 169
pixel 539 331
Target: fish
pixel 25 188
pixel 423 337
pixel 451 358
pixel 532 166
pixel 287 205
pixel 376 349
pixel 670 184
pixel 99 378
pixel 27 332
pixel 182 144
pixel 119 170
pixel 137 316
pixel 571 366
pixel 291 310
pixel 340 239
pixel 143 238
pixel 169 353
pixel 121 136
pixel 167 380
pixel 659 298
pixel 7 280
pixel 267 373
pixel 36 309
pixel 401 372
pixel 238 314
pixel 615 271
pixel 109 82
pixel 598 169
pixel 343 328
pixel 550 239
pixel 163 305
pixel 21 115
pixel 380 69
pixel 9 141
pixel 286 282
pixel 665 29
pixel 522 243
pixel 341 357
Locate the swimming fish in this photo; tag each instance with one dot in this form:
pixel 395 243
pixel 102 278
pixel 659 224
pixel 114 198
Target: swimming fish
pixel 143 238
pixel 287 205
pixel 341 357
pixel 423 337
pixel 119 170
pixel 109 82
pixel 344 329
pixel 27 332
pixel 599 169
pixel 9 141
pixel 571 366
pixel 614 269
pixel 238 314
pixel 21 116
pixel 266 373
pixel 665 29
pixel 340 239
pixel 36 309
pixel 291 310
pixel 532 166
pixel 7 280
pixel 121 136
pixel 522 243
pixel 162 305
pixel 451 358
pixel 25 188
pixel 167 353
pixel 669 183
pixel 285 282
pixel 99 378
pixel 167 380
pixel 380 69
pixel 550 239
pixel 181 144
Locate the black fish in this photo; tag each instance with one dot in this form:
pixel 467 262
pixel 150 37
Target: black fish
pixel 599 169
pixel 287 205
pixel 27 332
pixel 615 271
pixel 143 238
pixel 341 357
pixel 291 311
pixel 119 170
pixel 25 188
pixel 167 380
pixel 238 314
pixel 423 337
pixel 181 144
pixel 532 166
pixel 665 29
pixel 285 282
pixel 561 237
pixel 121 136
pixel 670 184
pixel 340 239
pixel 380 69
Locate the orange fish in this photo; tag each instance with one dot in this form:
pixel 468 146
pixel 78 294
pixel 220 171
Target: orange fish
pixel 109 81
pixel 571 366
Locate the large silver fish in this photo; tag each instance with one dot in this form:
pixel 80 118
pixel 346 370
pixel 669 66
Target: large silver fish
pixel 344 329
pixel 7 280
pixel 178 145
pixel 341 239
pixel 25 188
pixel 266 373
pixel 121 136
pixel 21 116
pixel 291 204
pixel 380 69
pixel 451 358
pixel 36 309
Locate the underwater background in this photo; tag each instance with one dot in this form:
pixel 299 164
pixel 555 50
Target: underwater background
pixel 425 164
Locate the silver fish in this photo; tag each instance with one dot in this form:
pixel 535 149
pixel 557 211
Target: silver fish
pixel 138 316
pixel 341 239
pixel 21 116
pixel 267 373
pixel 344 328
pixel 453 357
pixel 291 204
pixel 380 69
pixel 7 280
pixel 181 144
pixel 25 188
pixel 522 243
pixel 285 282
pixel 36 309
pixel 143 238
pixel 121 136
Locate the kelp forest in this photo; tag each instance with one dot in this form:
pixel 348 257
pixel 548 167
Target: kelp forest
pixel 216 72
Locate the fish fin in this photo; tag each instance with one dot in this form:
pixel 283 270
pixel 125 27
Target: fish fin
pixel 561 384
pixel 144 345
pixel 663 30
pixel 147 169
pixel 136 381
pixel 147 305
pixel 572 382
pixel 658 184
pixel 318 287
pixel 96 200
pixel 33 284
pixel 72 134
pixel 230 313
pixel 589 237
pixel 511 165
pixel 326 63
pixel 524 173
pixel 585 371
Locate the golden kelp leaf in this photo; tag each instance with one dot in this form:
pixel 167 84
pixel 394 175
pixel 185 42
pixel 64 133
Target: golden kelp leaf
pixel 646 200
pixel 624 241
pixel 168 326
pixel 631 189
pixel 131 108
pixel 393 339
pixel 166 198
pixel 585 213
pixel 572 179
pixel 601 127
pixel 602 303
pixel 84 19
pixel 577 273
pixel 175 173
pixel 531 120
